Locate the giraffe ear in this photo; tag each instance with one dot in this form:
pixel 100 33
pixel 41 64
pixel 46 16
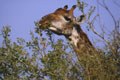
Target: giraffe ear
pixel 81 19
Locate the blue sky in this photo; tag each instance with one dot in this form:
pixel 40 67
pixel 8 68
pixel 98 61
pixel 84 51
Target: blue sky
pixel 21 14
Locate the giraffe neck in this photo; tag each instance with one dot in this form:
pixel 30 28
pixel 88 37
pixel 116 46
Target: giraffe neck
pixel 74 37
pixel 79 40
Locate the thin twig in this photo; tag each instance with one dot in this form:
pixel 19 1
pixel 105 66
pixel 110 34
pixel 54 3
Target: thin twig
pixel 90 23
pixel 107 9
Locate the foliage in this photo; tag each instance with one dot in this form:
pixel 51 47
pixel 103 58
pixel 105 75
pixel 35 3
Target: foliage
pixel 30 60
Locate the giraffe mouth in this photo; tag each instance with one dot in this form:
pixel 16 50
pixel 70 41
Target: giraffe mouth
pixel 41 26
pixel 60 32
pixel 53 29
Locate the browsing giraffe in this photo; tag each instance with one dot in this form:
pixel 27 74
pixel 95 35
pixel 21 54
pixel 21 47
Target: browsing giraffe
pixel 63 22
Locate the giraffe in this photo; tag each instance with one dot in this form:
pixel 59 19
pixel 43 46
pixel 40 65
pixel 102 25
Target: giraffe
pixel 63 22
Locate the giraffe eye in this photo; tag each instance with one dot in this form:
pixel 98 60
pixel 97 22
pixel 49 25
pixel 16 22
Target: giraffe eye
pixel 67 18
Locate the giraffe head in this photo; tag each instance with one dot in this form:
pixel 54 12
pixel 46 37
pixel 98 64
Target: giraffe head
pixel 59 21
